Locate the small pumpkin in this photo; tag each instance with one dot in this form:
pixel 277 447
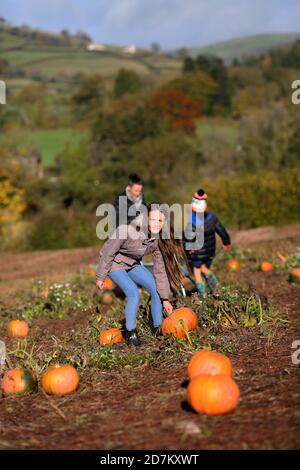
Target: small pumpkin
pixel 91 272
pixel 45 293
pixel 266 266
pixel 18 381
pixel 107 298
pixel 60 379
pixel 213 394
pixel 108 284
pixel 111 336
pixel 233 265
pixel 179 321
pixel 17 328
pixel 210 363
pixel 295 275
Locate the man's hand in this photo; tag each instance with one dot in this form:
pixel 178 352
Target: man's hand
pixel 100 284
pixel 168 307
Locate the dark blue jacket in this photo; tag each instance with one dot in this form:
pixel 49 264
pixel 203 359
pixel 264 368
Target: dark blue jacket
pixel 212 225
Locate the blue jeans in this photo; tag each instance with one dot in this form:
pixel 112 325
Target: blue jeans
pixel 129 282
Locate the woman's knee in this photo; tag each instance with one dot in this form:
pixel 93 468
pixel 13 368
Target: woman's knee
pixel 133 294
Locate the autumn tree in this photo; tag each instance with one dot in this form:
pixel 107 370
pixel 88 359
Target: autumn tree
pixel 181 110
pixel 199 86
pixel 216 68
pixel 89 96
pixel 127 82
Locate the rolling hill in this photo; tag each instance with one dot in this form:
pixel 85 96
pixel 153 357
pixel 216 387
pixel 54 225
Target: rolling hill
pixel 45 55
pixel 245 46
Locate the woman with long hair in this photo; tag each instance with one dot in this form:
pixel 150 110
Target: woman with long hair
pixel 120 259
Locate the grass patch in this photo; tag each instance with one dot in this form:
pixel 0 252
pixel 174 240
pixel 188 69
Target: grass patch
pixel 49 142
pixel 54 301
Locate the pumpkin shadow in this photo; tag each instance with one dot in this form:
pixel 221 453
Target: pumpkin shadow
pixel 119 293
pixel 184 383
pixel 186 407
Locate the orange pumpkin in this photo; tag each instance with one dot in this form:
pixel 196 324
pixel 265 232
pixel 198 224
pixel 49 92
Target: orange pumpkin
pixel 210 363
pixel 180 320
pixel 60 379
pixel 108 284
pixel 213 394
pixel 18 381
pixel 266 266
pixel 107 298
pixel 295 275
pixel 111 336
pixel 17 328
pixel 233 265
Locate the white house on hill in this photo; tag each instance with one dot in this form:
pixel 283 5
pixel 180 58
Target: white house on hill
pixel 96 47
pixel 130 49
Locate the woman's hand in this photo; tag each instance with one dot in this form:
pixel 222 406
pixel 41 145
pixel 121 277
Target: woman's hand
pixel 168 307
pixel 100 284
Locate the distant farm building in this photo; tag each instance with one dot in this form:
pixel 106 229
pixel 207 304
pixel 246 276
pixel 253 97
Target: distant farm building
pixel 130 49
pixel 96 47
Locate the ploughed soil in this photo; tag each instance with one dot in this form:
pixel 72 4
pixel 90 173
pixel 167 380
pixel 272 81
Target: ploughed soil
pixel 144 407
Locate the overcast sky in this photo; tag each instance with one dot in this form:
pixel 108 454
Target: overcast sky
pixel 171 23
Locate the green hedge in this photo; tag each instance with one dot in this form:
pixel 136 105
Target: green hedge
pixel 62 230
pixel 253 200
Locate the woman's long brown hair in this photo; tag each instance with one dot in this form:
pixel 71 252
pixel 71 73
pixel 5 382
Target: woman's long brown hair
pixel 172 252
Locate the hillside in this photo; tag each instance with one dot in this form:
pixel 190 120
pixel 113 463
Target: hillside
pixel 245 46
pixel 51 56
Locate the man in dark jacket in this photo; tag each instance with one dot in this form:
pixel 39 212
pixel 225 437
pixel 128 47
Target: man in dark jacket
pixel 128 204
pixel 200 258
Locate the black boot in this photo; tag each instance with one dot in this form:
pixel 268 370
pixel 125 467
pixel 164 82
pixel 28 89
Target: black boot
pixel 156 331
pixel 132 338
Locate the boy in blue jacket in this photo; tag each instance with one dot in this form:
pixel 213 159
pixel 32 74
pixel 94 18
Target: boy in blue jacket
pixel 200 259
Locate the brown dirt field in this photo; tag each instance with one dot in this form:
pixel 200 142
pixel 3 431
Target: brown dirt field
pixel 144 407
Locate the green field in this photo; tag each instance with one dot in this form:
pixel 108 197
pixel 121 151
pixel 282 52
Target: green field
pixel 8 41
pixel 49 142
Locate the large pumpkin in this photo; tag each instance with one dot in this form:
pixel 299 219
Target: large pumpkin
pixel 17 328
pixel 60 379
pixel 179 321
pixel 209 362
pixel 266 266
pixel 233 265
pixel 213 394
pixel 17 381
pixel 108 284
pixel 111 336
pixel 295 275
